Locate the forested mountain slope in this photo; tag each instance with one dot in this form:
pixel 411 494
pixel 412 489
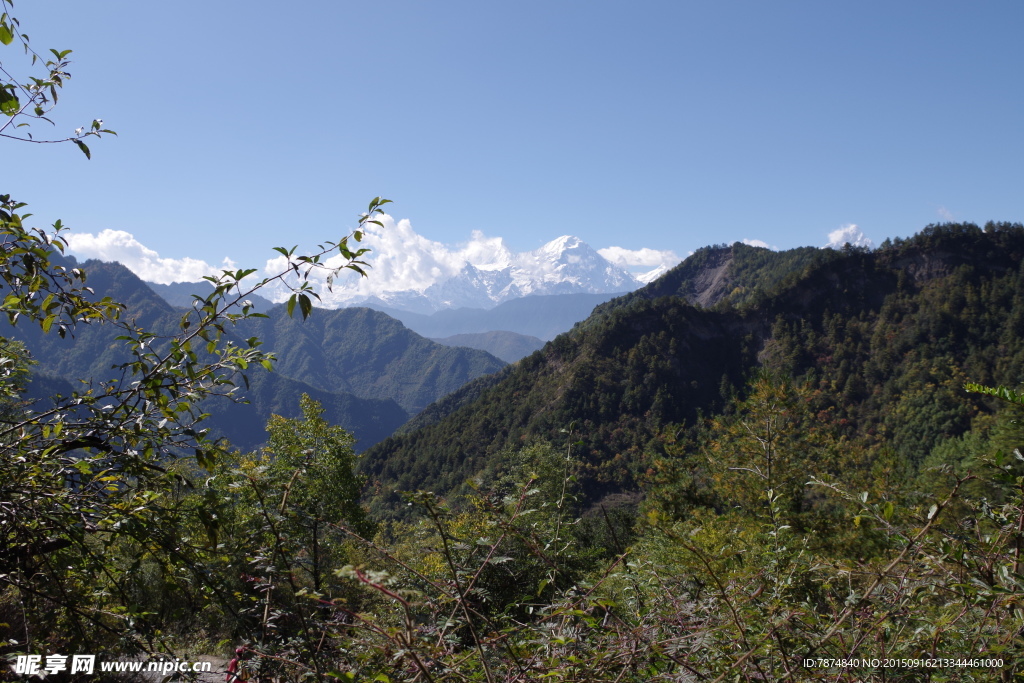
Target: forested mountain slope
pixel 368 354
pixel 357 350
pixel 886 339
pixel 369 371
pixel 733 274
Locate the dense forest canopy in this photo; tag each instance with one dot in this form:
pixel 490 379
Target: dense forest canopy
pixel 886 337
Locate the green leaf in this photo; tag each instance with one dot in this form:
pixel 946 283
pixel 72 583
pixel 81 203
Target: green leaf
pixel 85 150
pixel 1002 392
pixel 9 104
pixel 6 37
pixel 204 459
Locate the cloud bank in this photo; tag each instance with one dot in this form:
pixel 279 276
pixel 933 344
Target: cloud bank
pixel 646 258
pixel 400 260
pixel 121 246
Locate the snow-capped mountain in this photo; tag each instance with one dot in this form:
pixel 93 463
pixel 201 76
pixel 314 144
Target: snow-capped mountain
pixel 412 273
pixel 566 265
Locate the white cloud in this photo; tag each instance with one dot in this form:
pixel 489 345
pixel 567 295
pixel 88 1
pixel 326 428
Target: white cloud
pixel 121 246
pixel 945 214
pixel 648 258
pixel 848 234
pixel 403 260
pixel 646 265
pixel 400 260
pixel 758 243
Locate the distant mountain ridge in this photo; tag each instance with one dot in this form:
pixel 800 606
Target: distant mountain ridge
pixel 541 316
pixel 182 294
pixel 368 370
pixel 508 346
pixel 368 354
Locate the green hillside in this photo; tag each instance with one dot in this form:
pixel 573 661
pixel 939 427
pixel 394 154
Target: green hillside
pixel 369 371
pixel 887 338
pixel 733 274
pixel 368 354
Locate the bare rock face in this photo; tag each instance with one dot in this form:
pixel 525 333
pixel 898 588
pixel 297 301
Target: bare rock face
pixel 712 284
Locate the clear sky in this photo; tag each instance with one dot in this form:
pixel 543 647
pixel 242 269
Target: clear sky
pixel 665 125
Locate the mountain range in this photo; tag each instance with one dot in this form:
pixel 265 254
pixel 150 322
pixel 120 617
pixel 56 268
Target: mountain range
pixel 508 331
pixel 885 338
pixel 369 371
pixel 541 316
pixel 508 346
pixel 886 335
pixel 566 265
pixel 510 304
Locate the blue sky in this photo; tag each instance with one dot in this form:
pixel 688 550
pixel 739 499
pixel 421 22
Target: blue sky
pixel 665 125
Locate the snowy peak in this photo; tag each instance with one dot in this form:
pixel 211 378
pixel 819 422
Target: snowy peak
pixel 560 245
pixel 570 264
pixel 566 265
pixel 412 273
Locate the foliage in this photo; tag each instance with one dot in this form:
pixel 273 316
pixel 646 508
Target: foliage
pixel 272 520
pixel 725 595
pixel 483 590
pixel 93 492
pixel 90 468
pixel 26 99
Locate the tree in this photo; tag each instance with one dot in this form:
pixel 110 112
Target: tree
pixel 313 463
pixel 762 454
pixel 89 470
pixel 259 541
